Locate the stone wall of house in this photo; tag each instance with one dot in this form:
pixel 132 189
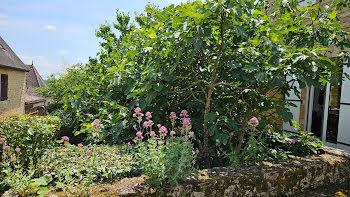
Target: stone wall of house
pixel 303 108
pixel 280 178
pixel 14 105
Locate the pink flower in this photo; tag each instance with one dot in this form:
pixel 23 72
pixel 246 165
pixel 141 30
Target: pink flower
pixel 139 119
pixel 187 124
pixel 148 115
pixel 159 125
pixel 148 123
pixel 173 114
pixel 134 115
pixel 152 133
pixel 191 133
pixel 137 110
pixel 180 170
pixel 172 133
pixel 139 134
pixel 291 141
pixel 2 139
pixel 96 121
pixel 65 138
pixel 185 136
pixel 134 126
pixel 6 147
pixel 184 113
pixel 80 145
pixel 129 143
pixel 185 159
pixel 166 143
pixel 197 151
pixel 232 133
pixel 269 126
pixel 88 152
pixel 253 122
pixel 163 129
pixel 17 150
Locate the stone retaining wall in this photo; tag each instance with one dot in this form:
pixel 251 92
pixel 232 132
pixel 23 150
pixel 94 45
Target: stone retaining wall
pixel 281 178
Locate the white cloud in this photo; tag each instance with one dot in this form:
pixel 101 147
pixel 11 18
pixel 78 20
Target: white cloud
pixel 50 27
pixel 42 64
pixel 63 52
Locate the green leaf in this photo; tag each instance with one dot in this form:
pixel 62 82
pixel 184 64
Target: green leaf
pixel 332 15
pixel 43 191
pixel 42 181
pixel 212 130
pixel 212 116
pixel 158 87
pixel 260 76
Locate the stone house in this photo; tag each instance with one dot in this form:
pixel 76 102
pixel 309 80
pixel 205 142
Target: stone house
pixel 34 102
pixel 13 82
pixel 325 112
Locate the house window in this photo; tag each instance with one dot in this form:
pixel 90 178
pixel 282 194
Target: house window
pixel 4 87
pixel 1 47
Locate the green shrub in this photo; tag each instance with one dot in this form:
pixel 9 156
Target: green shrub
pixel 166 157
pixel 305 143
pixel 74 168
pixel 32 134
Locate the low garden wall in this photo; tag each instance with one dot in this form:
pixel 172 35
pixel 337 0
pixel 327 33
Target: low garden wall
pixel 280 178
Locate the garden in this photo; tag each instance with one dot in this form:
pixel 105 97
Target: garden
pixel 176 90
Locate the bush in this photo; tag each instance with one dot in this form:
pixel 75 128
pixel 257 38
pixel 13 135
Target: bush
pixel 305 143
pixel 165 157
pixel 23 139
pixel 265 144
pixel 32 134
pixel 74 168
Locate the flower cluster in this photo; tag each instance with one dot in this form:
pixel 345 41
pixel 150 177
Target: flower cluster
pixel 184 130
pixel 96 135
pixel 65 141
pixel 253 122
pixel 9 154
pixel 170 146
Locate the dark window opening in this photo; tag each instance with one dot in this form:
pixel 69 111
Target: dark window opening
pixel 318 111
pixel 333 113
pixel 4 87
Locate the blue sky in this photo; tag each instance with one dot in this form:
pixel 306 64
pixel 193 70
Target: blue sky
pixel 58 33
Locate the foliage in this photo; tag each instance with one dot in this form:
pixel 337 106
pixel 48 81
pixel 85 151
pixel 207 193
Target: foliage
pixel 305 142
pixel 31 134
pixel 41 185
pixel 60 85
pixel 222 60
pixel 165 157
pixel 93 132
pixel 265 144
pixel 13 174
pixel 74 168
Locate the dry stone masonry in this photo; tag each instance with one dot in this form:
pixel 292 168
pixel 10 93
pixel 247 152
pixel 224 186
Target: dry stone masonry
pixel 280 178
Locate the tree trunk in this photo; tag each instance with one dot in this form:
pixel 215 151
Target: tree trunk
pixel 205 126
pixel 242 131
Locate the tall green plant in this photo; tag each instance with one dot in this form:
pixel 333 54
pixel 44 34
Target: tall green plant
pixel 222 60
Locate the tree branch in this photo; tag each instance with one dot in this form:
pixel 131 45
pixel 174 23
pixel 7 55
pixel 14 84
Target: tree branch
pixel 183 89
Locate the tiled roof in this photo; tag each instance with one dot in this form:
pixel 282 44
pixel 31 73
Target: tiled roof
pixel 33 80
pixel 8 58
